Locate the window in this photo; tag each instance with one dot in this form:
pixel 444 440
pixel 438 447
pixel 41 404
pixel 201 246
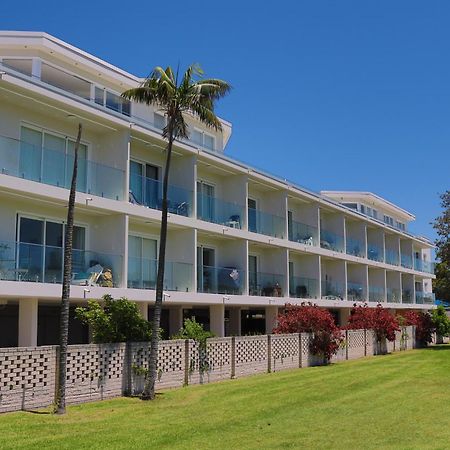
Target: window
pixel 363 209
pixel 142 262
pixel 351 205
pixel 389 220
pixel 21 65
pixel 205 201
pixel 401 226
pixel 252 215
pixel 202 139
pixel 40 249
pixel 48 158
pixel 112 101
pixel 144 184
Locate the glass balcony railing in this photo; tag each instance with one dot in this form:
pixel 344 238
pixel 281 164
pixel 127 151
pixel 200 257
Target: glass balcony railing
pixel 23 160
pixel 331 241
pixel 220 280
pixel 20 261
pixel 333 290
pixel 148 192
pixel 305 234
pixel 215 210
pixel 392 257
pixel 375 253
pixel 393 295
pixel 423 266
pixel 407 296
pixel 376 294
pixel 406 261
pixel 355 247
pixel 300 287
pixel 142 275
pixel 265 223
pixel 355 292
pixel 425 298
pixel 266 284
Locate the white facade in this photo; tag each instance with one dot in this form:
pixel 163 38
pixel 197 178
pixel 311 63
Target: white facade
pixel 241 243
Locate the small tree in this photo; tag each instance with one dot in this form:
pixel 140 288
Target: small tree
pixel 114 321
pixel 441 321
pixel 309 318
pixel 380 320
pixel 424 326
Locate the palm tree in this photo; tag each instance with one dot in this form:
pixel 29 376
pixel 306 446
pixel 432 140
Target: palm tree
pixel 67 275
pixel 193 95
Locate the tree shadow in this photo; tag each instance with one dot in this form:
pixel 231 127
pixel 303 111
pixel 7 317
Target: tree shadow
pixel 438 347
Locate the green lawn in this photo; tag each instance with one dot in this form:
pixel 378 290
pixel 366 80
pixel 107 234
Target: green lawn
pixel 399 401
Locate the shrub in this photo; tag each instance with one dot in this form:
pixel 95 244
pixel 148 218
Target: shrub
pixel 309 318
pixel 440 321
pixel 380 320
pixel 424 325
pixel 114 321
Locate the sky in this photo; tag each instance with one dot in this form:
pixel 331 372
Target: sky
pixel 334 95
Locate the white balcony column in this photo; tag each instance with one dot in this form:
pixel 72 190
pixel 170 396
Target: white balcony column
pixel 271 318
pixel 36 68
pixel 175 319
pixel 28 322
pixel 143 309
pixel 235 322
pixel 217 319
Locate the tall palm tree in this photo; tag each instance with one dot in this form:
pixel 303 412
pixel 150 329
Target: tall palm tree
pixel 194 95
pixel 67 275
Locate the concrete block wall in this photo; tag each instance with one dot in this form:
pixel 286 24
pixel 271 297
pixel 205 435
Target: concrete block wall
pixel 100 371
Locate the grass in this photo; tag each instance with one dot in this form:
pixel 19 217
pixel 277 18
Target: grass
pixel 399 401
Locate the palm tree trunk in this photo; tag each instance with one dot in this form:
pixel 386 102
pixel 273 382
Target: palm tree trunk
pixel 149 388
pixel 67 275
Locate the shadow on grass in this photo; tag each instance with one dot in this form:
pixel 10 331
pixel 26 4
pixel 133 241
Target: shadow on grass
pixel 438 347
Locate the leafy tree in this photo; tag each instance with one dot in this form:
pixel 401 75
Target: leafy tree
pixel 442 226
pixel 309 318
pixel 192 95
pixel 67 276
pixel 380 320
pixel 424 326
pixel 441 321
pixel 114 321
pixel 193 330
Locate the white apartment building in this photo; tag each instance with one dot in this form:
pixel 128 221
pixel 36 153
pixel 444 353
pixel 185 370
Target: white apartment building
pixel 241 243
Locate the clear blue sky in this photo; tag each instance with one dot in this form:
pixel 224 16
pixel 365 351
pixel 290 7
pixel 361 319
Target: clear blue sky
pixel 344 95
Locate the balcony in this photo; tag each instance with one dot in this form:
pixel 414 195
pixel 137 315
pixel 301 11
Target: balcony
pixel 423 266
pixel 220 280
pixel 215 210
pixel 36 263
pixel 425 298
pixel 355 247
pixel 393 295
pixel 331 241
pixel 266 223
pixel 355 292
pixel 333 290
pixel 375 253
pixel 300 287
pixel 376 294
pixel 142 274
pixel 23 160
pixel 407 296
pixel 406 261
pixel 266 284
pixel 392 257
pixel 302 233
pixel 148 192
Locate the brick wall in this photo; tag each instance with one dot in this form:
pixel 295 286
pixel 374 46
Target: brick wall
pixel 100 371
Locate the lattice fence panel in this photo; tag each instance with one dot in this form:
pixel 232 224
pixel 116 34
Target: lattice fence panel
pixel 285 351
pixel 27 377
pixel 251 355
pixel 341 354
pixel 355 344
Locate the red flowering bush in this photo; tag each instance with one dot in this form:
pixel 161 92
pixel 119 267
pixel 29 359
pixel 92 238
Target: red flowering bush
pixel 309 318
pixel 380 320
pixel 423 323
